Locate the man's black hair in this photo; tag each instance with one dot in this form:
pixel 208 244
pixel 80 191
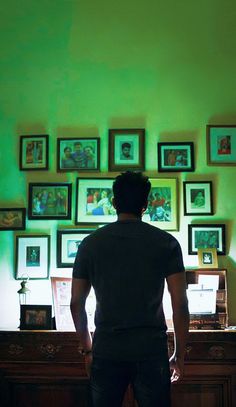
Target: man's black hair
pixel 127 145
pixel 131 191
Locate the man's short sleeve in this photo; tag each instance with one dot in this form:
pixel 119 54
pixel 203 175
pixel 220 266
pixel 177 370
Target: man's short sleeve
pixel 81 264
pixel 175 258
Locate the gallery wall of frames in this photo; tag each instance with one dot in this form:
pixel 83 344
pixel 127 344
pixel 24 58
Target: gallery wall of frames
pixel 88 203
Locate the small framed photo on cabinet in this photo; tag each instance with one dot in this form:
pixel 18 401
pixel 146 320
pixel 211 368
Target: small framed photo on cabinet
pixel 32 257
pixel 12 218
pixel 78 154
pixel 221 144
pixel 126 149
pixel 34 152
pixel 198 198
pixel 207 258
pixel 49 200
pixel 36 317
pixel 175 157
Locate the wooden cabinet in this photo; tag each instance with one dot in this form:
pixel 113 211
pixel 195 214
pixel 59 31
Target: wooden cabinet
pixel 44 368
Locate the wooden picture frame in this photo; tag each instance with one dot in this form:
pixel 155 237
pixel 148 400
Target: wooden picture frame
pixel 205 236
pixel 198 198
pixel 35 317
pixel 68 241
pixel 94 201
pixel 207 258
pixel 221 144
pixel 175 157
pixel 34 152
pixel 126 149
pixel 12 218
pixel 32 257
pixel 162 204
pixel 49 200
pixel 78 154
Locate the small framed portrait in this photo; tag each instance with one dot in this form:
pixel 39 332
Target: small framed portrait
pixel 221 144
pixel 94 201
pixel 49 200
pixel 175 157
pixel 198 198
pixel 36 317
pixel 68 242
pixel 126 149
pixel 32 257
pixel 205 236
pixel 207 258
pixel 162 204
pixel 33 152
pixel 12 218
pixel 78 154
pixel 61 293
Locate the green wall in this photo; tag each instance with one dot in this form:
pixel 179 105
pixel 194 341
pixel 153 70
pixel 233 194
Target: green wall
pixel 77 68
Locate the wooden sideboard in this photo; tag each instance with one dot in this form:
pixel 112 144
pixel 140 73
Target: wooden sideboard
pixel 44 368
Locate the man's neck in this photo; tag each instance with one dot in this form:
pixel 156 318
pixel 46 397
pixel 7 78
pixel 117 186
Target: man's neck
pixel 128 216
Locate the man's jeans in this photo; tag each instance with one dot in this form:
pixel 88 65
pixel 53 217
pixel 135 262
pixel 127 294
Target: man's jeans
pixel 150 381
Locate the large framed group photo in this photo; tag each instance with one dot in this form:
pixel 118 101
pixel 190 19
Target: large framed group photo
pixel 162 204
pixel 94 201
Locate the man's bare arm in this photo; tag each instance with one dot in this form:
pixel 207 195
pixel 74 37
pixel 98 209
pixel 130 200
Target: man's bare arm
pixel 177 289
pixel 79 292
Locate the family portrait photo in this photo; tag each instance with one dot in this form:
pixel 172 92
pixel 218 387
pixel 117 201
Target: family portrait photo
pixel 78 154
pixel 175 156
pixel 206 237
pixel 49 201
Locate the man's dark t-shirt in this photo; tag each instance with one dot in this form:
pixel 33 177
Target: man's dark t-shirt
pixel 127 263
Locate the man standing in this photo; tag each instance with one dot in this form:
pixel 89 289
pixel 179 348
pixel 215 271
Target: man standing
pixel 127 263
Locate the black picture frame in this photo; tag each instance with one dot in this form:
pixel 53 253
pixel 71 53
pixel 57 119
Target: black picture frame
pixel 78 154
pixel 68 241
pixel 198 198
pixel 35 317
pixel 34 152
pixel 12 218
pixel 175 157
pixel 49 200
pixel 202 236
pixel 126 149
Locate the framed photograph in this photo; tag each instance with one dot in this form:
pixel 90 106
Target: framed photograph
pixel 32 257
pixel 12 218
pixel 162 204
pixel 36 317
pixel 198 198
pixel 126 149
pixel 68 242
pixel 61 293
pixel 205 236
pixel 175 157
pixel 49 200
pixel 78 154
pixel 33 152
pixel 207 258
pixel 221 144
pixel 94 201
